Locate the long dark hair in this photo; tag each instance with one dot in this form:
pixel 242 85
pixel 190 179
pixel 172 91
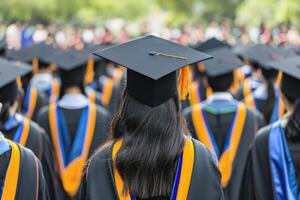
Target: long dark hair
pixel 153 139
pixel 293 126
pixel 270 77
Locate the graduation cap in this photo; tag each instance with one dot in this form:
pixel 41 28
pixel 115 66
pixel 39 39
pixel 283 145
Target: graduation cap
pixel 152 63
pixel 224 62
pixel 211 44
pixel 291 75
pixel 71 66
pixel 9 71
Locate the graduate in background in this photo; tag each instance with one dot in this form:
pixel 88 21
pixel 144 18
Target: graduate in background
pixel 266 98
pixel 253 76
pixel 21 173
pixel 33 99
pixel 272 170
pixel 226 126
pixel 21 129
pixel 150 156
pixel 103 82
pixel 76 125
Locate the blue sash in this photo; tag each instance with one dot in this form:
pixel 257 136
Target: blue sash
pixel 70 150
pixel 282 168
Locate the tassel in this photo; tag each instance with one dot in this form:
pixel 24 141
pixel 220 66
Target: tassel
pixel 184 82
pixel 89 76
pixel 35 64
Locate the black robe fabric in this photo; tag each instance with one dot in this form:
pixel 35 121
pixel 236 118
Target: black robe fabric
pixel 257 181
pixel 72 119
pixel 39 143
pixel 220 124
pixel 31 181
pixel 98 181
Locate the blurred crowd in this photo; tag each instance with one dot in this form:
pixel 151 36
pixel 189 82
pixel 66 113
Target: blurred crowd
pixel 21 35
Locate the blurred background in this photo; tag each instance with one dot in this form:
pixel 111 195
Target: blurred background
pixel 72 23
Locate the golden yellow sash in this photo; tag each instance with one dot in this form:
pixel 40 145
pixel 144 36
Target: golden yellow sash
pixel 228 156
pixel 25 132
pixel 12 175
pixel 54 91
pixel 186 171
pixel 107 91
pixel 71 174
pixel 32 102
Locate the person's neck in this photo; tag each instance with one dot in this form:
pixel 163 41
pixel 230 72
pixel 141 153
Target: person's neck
pixel 73 90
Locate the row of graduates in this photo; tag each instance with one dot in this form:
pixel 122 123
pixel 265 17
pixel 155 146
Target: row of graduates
pixel 55 104
pixel 73 125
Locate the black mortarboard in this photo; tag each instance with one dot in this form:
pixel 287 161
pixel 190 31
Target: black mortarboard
pixel 223 63
pixel 9 71
pixel 71 66
pixel 211 44
pixel 291 75
pixel 263 54
pixel 152 63
pixel 26 55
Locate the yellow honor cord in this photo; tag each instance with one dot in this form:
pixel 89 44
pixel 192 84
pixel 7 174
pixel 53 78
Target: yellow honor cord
pixel 246 88
pixel 71 174
pixel 185 176
pixel 12 175
pixel 227 158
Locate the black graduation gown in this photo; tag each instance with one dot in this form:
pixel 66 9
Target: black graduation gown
pixel 39 143
pixel 98 181
pixel 31 182
pixel 258 184
pixel 220 124
pixel 72 118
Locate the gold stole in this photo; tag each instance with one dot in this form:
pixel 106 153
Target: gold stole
pixel 228 156
pixel 33 97
pixel 12 175
pixel 71 174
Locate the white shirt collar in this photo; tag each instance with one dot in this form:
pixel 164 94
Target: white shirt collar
pixel 73 101
pixel 220 96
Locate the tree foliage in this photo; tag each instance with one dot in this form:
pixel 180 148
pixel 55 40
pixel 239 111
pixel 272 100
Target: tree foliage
pixel 271 12
pixel 244 12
